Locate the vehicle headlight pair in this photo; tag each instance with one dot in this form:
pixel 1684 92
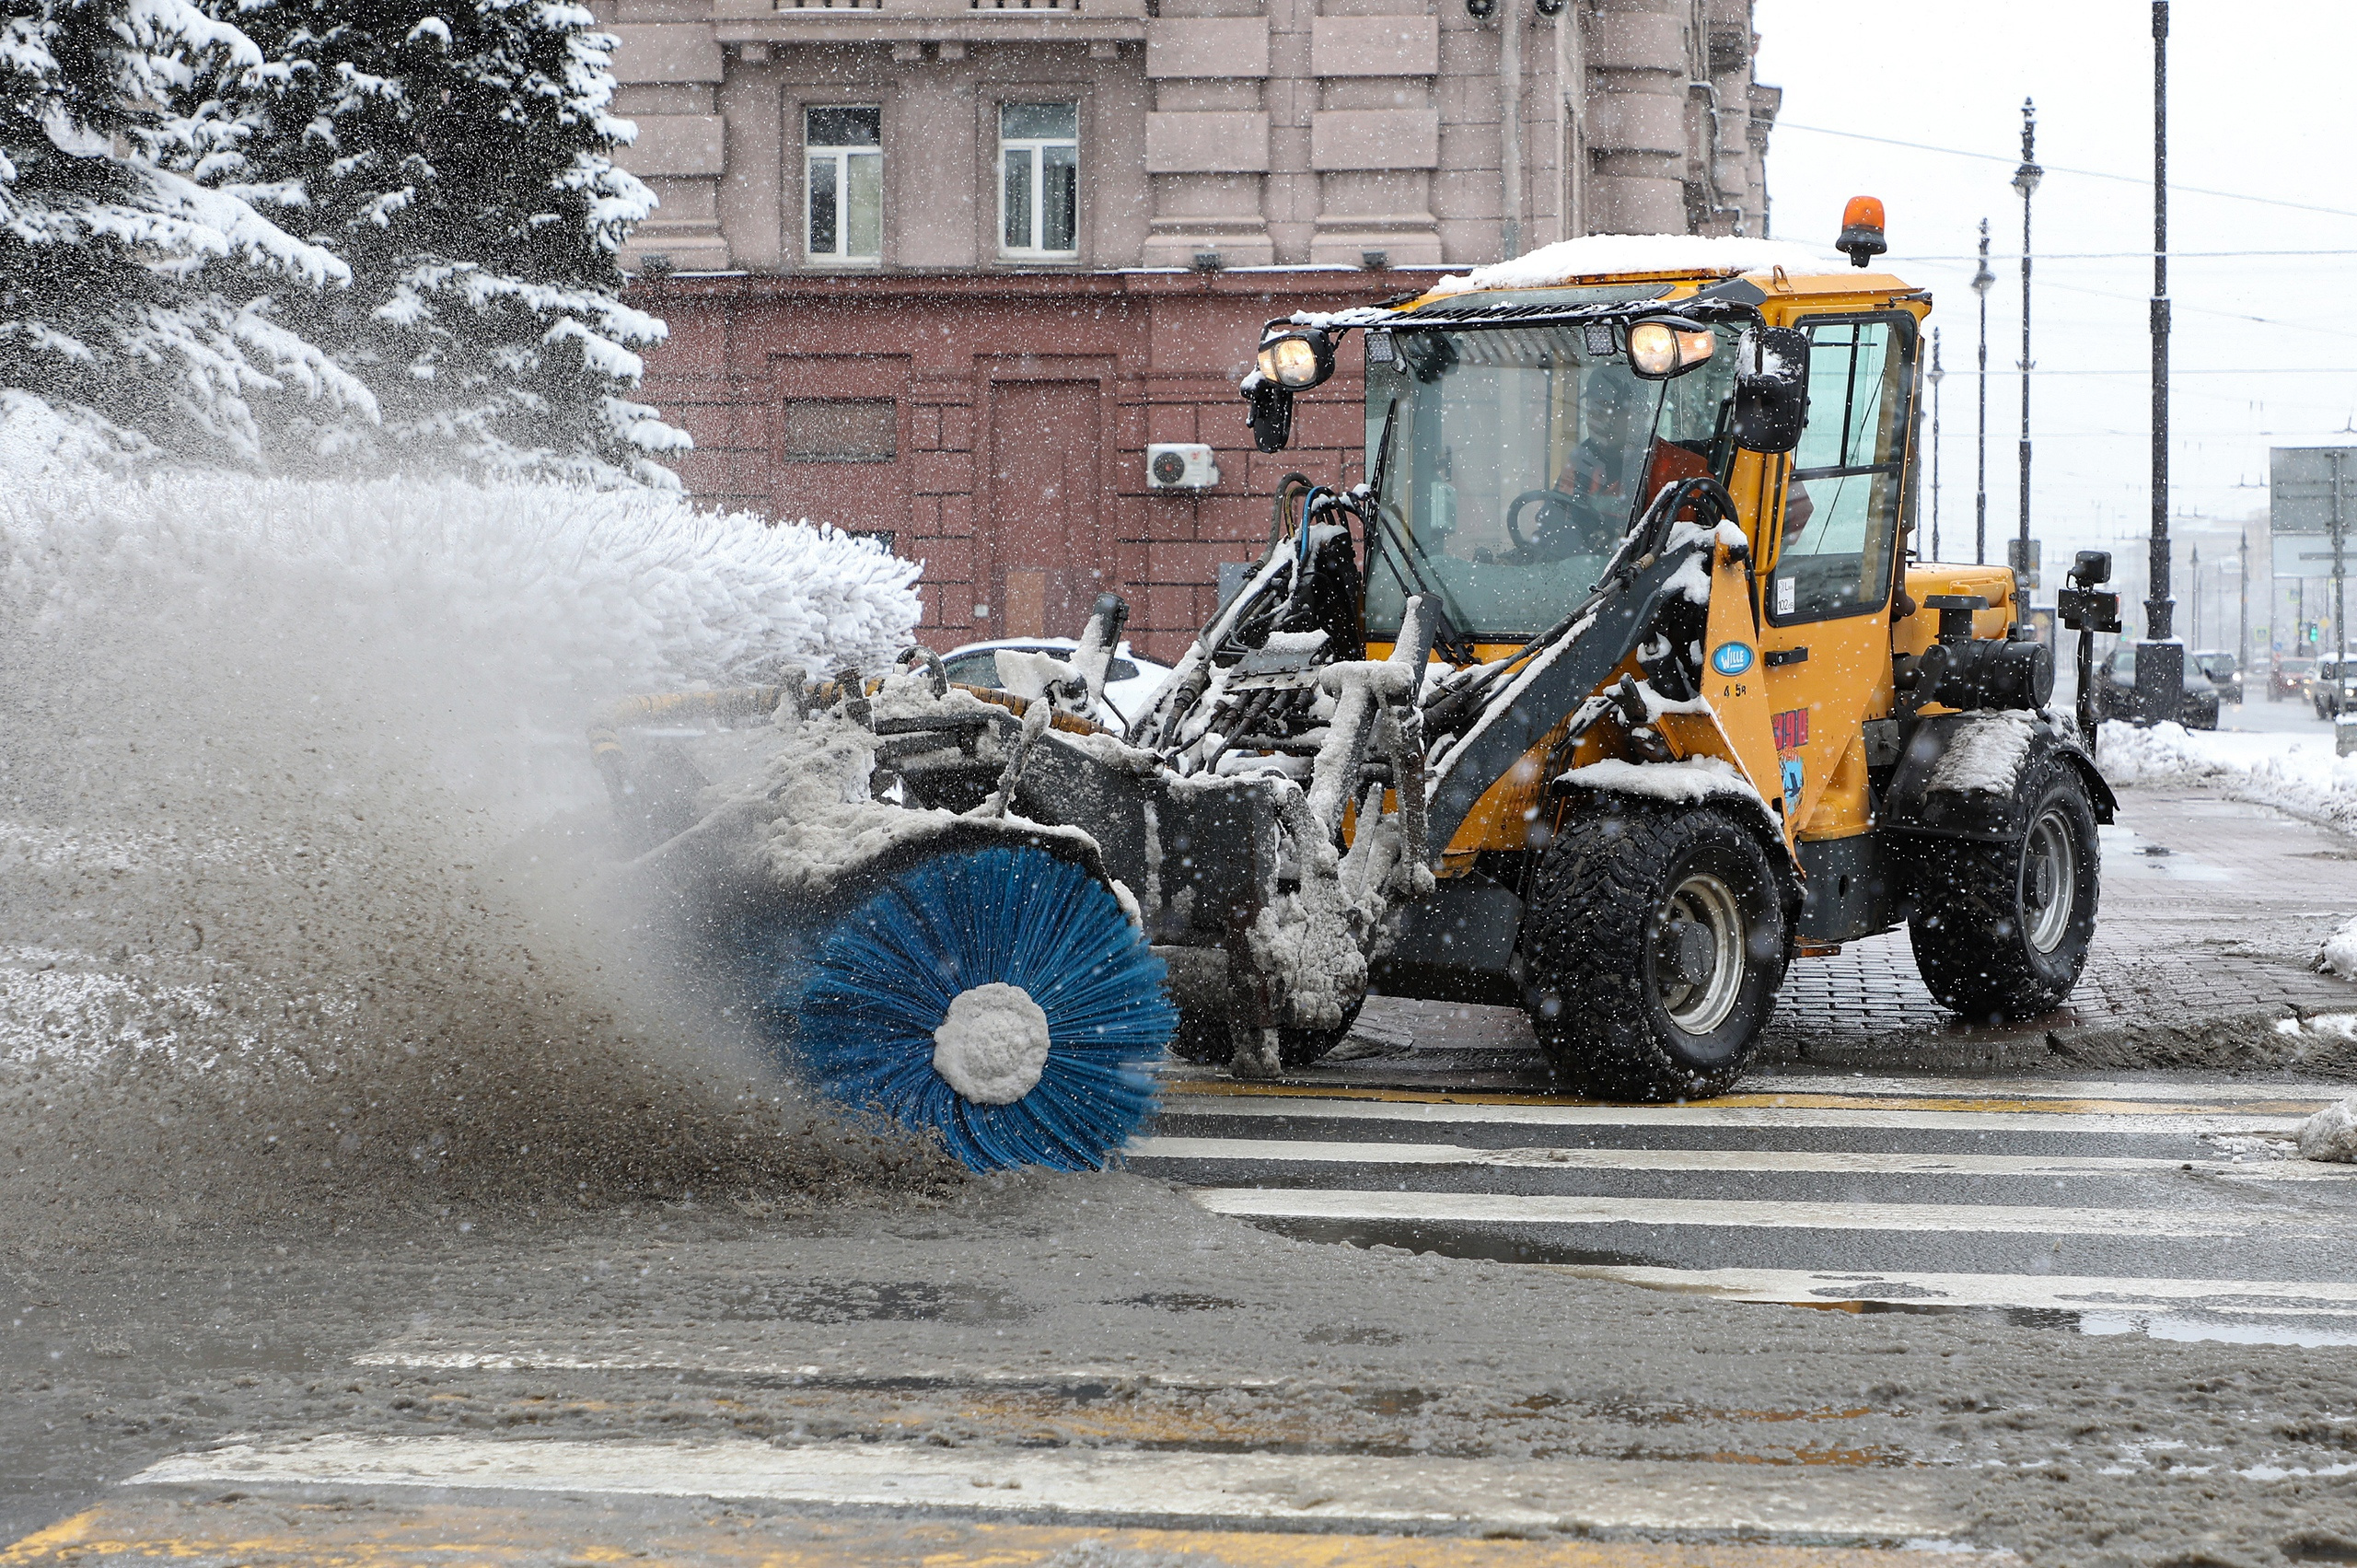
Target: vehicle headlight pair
pixel 1297 360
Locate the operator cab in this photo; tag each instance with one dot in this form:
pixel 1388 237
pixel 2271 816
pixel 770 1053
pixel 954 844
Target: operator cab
pixel 1515 458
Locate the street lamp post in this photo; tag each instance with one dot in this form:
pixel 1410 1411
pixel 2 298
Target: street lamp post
pixel 2025 179
pixel 2160 663
pixel 1936 377
pixel 2242 610
pixel 1982 281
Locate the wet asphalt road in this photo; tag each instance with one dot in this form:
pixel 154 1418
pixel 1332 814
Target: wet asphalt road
pixel 2052 1280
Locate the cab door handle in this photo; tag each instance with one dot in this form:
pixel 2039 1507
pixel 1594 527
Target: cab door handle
pixel 1779 656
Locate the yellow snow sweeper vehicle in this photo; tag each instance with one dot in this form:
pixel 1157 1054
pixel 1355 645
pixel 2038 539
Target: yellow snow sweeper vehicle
pixel 1617 688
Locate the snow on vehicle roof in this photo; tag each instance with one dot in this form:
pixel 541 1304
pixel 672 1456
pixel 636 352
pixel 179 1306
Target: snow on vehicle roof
pixel 1599 255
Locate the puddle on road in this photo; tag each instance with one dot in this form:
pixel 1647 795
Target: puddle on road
pixel 2261 1327
pixel 1181 1301
pixel 869 1301
pixel 2127 852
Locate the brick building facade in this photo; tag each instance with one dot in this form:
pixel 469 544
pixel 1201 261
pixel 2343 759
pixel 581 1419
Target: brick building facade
pixel 941 269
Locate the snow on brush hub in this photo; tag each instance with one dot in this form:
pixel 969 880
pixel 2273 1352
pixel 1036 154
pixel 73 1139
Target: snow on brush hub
pixel 993 1045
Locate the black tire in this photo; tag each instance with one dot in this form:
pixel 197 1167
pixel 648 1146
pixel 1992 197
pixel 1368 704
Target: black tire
pixel 1203 1038
pixel 2001 930
pixel 1655 939
pixel 1300 1048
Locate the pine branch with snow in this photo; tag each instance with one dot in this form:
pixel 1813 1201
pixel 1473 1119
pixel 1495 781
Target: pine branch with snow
pixel 456 157
pixel 135 303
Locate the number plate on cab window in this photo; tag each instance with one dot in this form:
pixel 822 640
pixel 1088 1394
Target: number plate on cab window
pixel 1785 596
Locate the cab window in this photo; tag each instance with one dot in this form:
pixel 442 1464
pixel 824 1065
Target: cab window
pixel 1842 508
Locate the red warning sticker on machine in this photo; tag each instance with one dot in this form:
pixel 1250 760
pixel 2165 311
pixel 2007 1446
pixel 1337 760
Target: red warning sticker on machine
pixel 1791 728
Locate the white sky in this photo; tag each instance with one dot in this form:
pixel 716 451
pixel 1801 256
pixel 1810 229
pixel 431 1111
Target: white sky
pixel 2259 103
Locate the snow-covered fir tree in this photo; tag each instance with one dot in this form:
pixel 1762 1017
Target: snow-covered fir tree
pixel 456 155
pixel 138 308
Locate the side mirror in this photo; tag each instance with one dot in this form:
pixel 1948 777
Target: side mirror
pixel 1268 408
pixel 1771 390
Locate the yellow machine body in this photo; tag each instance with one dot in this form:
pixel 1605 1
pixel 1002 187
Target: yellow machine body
pixel 1809 695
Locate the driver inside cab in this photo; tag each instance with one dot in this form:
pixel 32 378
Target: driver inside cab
pixel 1616 429
pixel 1614 466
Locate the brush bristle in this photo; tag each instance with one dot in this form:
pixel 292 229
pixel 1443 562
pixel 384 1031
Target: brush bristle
pixel 876 983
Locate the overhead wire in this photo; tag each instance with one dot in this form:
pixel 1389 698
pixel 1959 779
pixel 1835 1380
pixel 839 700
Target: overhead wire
pixel 2058 169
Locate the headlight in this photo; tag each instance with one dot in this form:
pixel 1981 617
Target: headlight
pixel 1653 349
pixel 1658 350
pixel 1298 361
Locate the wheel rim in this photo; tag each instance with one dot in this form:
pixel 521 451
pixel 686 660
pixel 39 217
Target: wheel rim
pixel 1699 953
pixel 2050 880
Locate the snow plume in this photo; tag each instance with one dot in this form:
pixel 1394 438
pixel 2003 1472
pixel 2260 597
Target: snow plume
pixel 304 896
pixel 2296 772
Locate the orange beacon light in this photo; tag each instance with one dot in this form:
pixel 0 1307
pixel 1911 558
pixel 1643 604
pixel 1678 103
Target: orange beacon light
pixel 1862 230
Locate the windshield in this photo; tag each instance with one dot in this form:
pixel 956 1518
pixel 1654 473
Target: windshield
pixel 1517 460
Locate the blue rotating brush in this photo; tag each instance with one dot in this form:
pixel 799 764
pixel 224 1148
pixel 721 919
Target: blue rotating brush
pixel 999 995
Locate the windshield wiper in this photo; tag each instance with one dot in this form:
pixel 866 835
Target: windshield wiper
pixel 1447 640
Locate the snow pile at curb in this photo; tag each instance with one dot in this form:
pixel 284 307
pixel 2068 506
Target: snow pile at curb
pixel 2298 772
pixel 2331 1134
pixel 2339 953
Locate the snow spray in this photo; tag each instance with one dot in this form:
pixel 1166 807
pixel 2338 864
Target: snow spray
pixel 300 846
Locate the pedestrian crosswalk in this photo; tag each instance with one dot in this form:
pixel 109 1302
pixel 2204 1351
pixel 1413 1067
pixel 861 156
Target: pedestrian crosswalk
pixel 2174 1206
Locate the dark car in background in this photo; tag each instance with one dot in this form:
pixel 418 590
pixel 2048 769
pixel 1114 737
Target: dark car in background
pixel 2289 678
pixel 2115 690
pixel 2224 671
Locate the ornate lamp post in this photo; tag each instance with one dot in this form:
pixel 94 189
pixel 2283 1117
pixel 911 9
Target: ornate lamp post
pixel 1935 378
pixel 2025 180
pixel 2160 663
pixel 1982 282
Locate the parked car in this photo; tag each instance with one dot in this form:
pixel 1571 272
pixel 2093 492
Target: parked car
pixel 1129 680
pixel 2116 690
pixel 2289 678
pixel 2331 689
pixel 2225 672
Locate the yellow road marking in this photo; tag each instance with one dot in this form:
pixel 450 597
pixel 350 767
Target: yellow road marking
pixel 386 1535
pixel 1216 1087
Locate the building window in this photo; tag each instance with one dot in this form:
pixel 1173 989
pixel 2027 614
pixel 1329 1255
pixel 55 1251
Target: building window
pixel 843 154
pixel 1038 179
pixel 841 430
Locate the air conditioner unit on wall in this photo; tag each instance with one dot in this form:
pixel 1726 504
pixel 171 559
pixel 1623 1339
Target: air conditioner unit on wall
pixel 1180 465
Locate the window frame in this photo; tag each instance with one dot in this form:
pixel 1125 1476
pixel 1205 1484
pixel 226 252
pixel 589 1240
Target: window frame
pixel 841 155
pixel 1036 148
pixel 786 454
pixel 1906 333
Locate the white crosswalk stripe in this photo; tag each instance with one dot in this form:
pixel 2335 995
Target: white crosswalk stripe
pixel 2160 1122
pixel 2171 1205
pixel 1509 1208
pixel 1264 1150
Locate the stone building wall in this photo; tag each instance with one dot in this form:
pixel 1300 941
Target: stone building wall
pixel 1257 132
pixel 1236 160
